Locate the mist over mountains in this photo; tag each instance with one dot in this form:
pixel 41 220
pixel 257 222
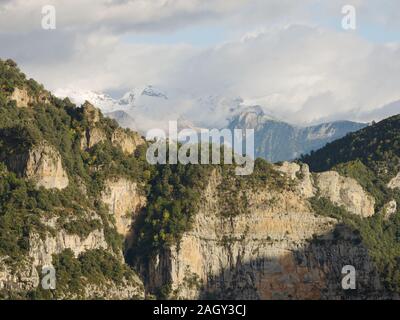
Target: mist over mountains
pixel 149 107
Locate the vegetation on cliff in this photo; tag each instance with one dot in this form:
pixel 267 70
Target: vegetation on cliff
pixel 372 157
pixel 24 207
pixel 173 192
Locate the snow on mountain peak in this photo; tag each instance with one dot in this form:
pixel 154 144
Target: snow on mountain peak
pixel 151 108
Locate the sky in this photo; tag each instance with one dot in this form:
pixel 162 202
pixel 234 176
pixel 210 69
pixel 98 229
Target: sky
pixel 291 57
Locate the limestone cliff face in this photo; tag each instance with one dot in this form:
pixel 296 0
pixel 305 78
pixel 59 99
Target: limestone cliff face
pixel 24 100
pixel 127 141
pixel 91 113
pixel 17 278
pixel 301 174
pixel 45 167
pixel 43 164
pixel 280 249
pixel 92 136
pixel 41 250
pixel 24 276
pixel 342 191
pixel 345 192
pixel 128 290
pixel 124 201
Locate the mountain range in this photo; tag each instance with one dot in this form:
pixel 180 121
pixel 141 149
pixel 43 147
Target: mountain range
pixel 275 140
pixel 280 141
pixel 78 196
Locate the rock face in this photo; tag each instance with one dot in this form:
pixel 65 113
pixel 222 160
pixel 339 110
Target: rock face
pixel 279 250
pixel 395 182
pixel 92 137
pixel 24 100
pixel 124 201
pixel 127 141
pixel 389 209
pixel 300 173
pixel 41 250
pixel 23 277
pixel 93 134
pixel 91 113
pixel 21 97
pixel 42 163
pixel 45 167
pixel 127 290
pixel 345 192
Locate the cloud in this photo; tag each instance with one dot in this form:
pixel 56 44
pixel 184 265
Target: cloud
pixel 277 54
pixel 299 72
pixel 131 15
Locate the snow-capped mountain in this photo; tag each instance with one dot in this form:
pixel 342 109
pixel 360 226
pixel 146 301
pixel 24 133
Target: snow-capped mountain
pixel 102 100
pixel 146 108
pixel 150 107
pixel 140 108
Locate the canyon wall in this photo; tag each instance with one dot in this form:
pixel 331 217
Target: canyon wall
pixel 279 249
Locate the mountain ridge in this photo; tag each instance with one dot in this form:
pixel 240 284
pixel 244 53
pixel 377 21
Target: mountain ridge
pixel 275 140
pixel 77 194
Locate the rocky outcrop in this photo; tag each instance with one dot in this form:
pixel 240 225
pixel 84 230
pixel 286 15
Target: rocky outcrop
pixel 17 278
pixel 93 133
pixel 42 163
pixel 395 182
pixel 24 100
pixel 44 166
pixel 21 97
pixel 124 201
pixel 301 174
pixel 92 137
pixel 24 276
pixel 127 290
pixel 389 209
pixel 91 113
pixel 128 141
pixel 41 250
pixel 280 249
pixel 345 192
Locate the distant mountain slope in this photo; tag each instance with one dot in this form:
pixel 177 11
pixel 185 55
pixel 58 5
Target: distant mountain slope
pixel 371 156
pixel 279 141
pixel 148 107
pixel 372 145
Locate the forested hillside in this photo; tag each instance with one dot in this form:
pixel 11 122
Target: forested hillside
pixel 77 193
pixel 372 157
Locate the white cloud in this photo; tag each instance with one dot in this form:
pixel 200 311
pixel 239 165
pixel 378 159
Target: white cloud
pixel 279 56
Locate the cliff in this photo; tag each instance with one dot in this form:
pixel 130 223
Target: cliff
pixel 77 194
pixel 124 201
pixel 42 163
pixel 279 249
